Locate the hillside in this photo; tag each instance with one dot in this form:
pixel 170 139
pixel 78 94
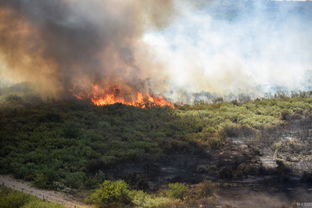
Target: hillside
pixel 73 146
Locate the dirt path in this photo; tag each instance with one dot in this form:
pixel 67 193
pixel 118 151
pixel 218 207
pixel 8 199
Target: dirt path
pixel 51 196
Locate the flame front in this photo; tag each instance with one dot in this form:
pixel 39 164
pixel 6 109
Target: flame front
pixel 101 97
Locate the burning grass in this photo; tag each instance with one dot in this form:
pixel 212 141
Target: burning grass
pixel 109 96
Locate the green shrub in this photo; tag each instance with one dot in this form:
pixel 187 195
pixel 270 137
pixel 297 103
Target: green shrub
pixel 71 129
pixel 13 199
pixel 234 131
pixel 45 179
pixel 16 199
pixel 74 180
pixel 177 190
pixel 111 194
pixel 41 204
pixel 144 200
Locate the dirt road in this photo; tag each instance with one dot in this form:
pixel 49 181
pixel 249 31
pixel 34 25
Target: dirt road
pixel 51 196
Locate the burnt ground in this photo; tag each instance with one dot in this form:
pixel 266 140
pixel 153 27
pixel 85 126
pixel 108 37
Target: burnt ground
pixel 279 160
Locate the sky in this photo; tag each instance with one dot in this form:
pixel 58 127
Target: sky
pixel 164 47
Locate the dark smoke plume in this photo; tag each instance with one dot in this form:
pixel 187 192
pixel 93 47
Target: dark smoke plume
pixel 66 45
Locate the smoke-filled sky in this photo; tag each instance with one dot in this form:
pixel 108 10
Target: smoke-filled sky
pixel 238 47
pixel 157 46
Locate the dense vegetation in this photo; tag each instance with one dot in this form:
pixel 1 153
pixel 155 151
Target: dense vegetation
pixel 57 145
pixel 69 145
pixel 118 195
pixel 242 119
pixel 16 199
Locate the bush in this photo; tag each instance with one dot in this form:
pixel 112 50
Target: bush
pixel 74 180
pixel 144 200
pixel 13 199
pixel 230 131
pixel 206 188
pixel 45 178
pixel 285 115
pixel 235 131
pixel 111 194
pixel 16 199
pixel 177 190
pixel 71 129
pixel 41 204
pixel 215 143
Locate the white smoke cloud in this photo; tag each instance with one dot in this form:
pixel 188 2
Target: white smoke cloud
pixel 237 47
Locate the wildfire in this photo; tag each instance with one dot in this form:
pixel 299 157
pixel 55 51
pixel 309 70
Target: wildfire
pixel 102 97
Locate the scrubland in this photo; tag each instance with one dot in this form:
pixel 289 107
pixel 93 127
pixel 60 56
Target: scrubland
pixel 158 156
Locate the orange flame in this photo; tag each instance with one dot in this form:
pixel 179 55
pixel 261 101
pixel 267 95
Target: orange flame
pixel 100 97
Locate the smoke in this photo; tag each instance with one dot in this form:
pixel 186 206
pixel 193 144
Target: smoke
pixel 234 47
pixel 68 45
pixel 171 47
